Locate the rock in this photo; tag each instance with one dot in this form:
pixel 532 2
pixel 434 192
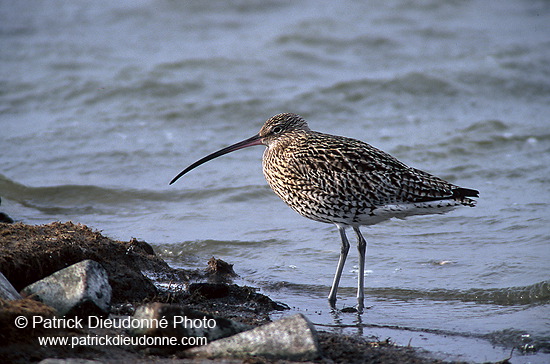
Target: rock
pixel 7 291
pixel 69 361
pixel 81 289
pixel 234 295
pixel 29 253
pixel 219 271
pixel 184 322
pixel 15 327
pixel 5 218
pixel 291 338
pixel 209 290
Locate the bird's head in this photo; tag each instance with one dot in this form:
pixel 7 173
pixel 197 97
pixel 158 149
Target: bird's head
pixel 274 128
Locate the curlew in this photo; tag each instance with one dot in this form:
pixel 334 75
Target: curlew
pixel 343 181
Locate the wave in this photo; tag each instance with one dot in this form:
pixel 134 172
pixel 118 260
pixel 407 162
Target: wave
pixel 538 293
pixel 482 136
pixel 413 83
pixel 88 198
pixel 522 87
pixel 335 43
pixel 535 294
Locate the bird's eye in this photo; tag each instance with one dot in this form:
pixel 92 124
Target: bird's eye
pixel 277 129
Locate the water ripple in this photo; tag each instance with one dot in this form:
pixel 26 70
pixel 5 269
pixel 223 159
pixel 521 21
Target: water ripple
pixel 535 294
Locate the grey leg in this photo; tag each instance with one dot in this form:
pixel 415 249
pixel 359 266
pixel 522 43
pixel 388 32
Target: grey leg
pixel 343 255
pixel 362 248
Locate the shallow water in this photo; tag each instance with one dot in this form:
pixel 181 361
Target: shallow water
pixel 101 104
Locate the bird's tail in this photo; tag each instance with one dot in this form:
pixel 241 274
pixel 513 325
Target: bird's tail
pixel 461 195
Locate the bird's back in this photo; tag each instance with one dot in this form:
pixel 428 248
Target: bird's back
pixel 346 181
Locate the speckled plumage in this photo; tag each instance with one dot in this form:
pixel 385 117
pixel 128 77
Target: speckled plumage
pixel 343 181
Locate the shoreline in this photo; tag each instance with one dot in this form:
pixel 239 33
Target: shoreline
pixel 29 253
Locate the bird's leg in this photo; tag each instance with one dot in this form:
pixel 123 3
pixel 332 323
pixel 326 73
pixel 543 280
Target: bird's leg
pixel 343 255
pixel 362 248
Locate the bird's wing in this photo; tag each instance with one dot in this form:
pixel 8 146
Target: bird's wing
pixel 349 169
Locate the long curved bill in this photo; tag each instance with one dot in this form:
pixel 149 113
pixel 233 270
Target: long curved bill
pixel 255 140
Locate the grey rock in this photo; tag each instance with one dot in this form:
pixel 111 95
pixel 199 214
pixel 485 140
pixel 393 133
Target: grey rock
pixel 291 338
pixel 184 322
pixel 69 361
pixel 81 289
pixel 7 292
